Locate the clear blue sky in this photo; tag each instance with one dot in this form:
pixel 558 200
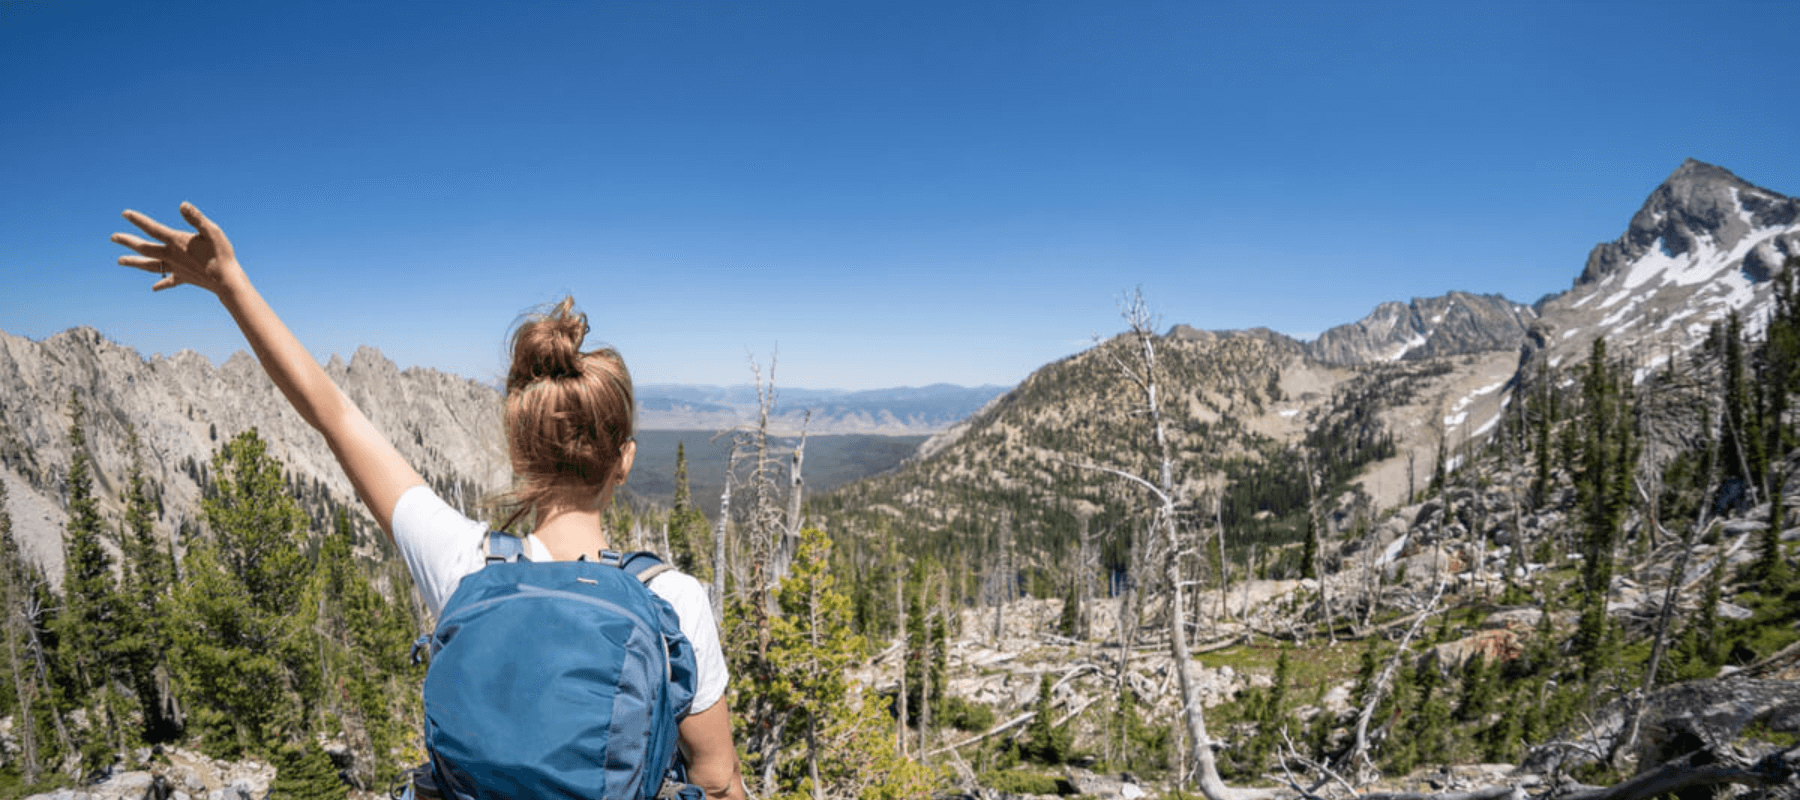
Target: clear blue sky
pixel 892 193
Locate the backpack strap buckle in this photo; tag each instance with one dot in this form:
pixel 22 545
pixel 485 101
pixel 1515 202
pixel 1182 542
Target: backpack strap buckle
pixel 642 564
pixel 498 547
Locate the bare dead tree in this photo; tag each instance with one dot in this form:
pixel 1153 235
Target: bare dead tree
pixel 1315 517
pixel 34 612
pixel 1003 575
pixel 1141 370
pixel 1224 565
pixel 1671 598
pixel 789 537
pixel 719 529
pixel 766 528
pixel 1086 564
pixel 795 482
pixel 905 658
pixel 26 691
pixel 1357 760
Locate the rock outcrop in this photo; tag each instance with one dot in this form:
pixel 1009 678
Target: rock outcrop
pixel 183 406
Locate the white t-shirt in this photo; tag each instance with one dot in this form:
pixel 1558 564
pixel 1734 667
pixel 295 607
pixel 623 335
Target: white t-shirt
pixel 441 546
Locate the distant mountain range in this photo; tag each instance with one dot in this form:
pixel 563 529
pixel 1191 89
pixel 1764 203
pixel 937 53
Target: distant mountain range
pixel 905 411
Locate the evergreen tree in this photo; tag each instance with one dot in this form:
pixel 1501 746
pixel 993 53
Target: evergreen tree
pixel 147 575
pixel 843 744
pixel 304 772
pixel 88 630
pixel 1742 459
pixel 1068 623
pixel 1603 485
pixel 1309 554
pixel 918 646
pixel 1438 469
pixel 364 669
pixel 257 525
pixel 246 658
pixel 1478 690
pixel 1781 360
pixel 1046 742
pixel 689 531
pixel 1541 450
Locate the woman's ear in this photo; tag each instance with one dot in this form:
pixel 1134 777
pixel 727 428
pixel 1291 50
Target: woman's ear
pixel 627 455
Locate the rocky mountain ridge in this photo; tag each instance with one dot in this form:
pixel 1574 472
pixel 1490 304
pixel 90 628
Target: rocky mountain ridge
pixel 183 406
pixel 1453 324
pixel 1704 244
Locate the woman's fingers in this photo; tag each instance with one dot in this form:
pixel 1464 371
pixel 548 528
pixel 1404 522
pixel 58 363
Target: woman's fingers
pixel 198 220
pixel 151 249
pixel 144 263
pixel 154 228
pixel 208 229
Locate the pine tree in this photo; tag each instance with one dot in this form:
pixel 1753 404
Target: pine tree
pixel 1046 742
pixel 1068 624
pixel 1439 468
pixel 364 665
pixel 246 658
pixel 257 524
pixel 688 528
pixel 147 575
pixel 304 772
pixel 1781 359
pixel 841 738
pixel 88 630
pixel 1309 554
pixel 1541 450
pixel 1609 455
pixel 1742 458
pixel 918 658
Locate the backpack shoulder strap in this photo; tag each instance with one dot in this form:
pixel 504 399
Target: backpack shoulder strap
pixel 503 547
pixel 643 564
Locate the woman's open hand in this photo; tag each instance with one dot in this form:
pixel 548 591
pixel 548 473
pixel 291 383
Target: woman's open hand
pixel 203 259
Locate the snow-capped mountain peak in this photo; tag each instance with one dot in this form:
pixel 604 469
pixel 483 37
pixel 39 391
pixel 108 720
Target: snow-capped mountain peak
pixel 1704 244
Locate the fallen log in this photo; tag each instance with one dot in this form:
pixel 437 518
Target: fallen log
pixel 1774 769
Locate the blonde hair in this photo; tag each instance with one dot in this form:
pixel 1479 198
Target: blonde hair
pixel 568 413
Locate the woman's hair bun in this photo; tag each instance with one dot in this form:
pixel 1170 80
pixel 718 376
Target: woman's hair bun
pixel 548 346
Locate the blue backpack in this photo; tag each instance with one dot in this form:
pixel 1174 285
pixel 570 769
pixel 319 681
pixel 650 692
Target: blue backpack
pixel 556 680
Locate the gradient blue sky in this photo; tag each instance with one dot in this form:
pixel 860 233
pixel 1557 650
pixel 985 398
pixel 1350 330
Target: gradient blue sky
pixel 891 193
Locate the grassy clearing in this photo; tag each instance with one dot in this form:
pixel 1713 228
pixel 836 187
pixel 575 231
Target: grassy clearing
pixel 1315 667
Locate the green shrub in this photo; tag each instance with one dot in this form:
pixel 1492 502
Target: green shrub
pixel 1018 781
pixel 968 716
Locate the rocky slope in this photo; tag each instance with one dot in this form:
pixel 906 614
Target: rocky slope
pixel 183 406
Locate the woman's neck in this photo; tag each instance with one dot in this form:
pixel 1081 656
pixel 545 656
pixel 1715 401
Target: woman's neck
pixel 569 533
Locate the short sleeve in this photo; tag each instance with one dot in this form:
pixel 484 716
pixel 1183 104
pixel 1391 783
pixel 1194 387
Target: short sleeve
pixel 439 544
pixel 694 608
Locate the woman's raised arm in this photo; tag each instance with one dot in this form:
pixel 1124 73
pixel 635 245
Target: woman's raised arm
pixel 205 259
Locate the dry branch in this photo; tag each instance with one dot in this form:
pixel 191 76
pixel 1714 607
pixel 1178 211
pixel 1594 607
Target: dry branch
pixel 1358 757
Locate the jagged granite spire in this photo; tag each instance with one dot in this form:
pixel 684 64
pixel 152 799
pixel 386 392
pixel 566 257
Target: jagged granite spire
pixel 1698 201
